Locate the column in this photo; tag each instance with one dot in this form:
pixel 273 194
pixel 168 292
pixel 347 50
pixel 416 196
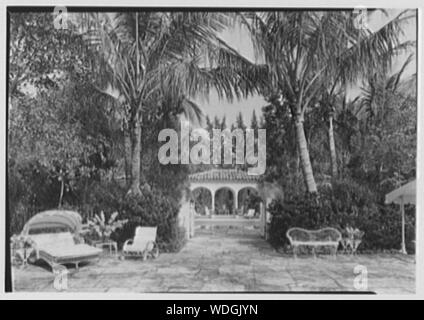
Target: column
pixel 213 201
pixel 236 199
pixel 262 216
pixel 191 219
pixel 402 211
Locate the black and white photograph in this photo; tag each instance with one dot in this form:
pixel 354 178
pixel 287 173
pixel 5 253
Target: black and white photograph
pixel 209 150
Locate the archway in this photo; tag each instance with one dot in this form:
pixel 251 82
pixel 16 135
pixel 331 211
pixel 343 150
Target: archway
pixel 249 198
pixel 202 198
pixel 216 179
pixel 233 183
pixel 224 201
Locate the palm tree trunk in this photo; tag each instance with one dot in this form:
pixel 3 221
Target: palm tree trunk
pixel 62 187
pixel 305 160
pixel 136 134
pixel 297 167
pixel 127 156
pixel 332 147
pixel 136 159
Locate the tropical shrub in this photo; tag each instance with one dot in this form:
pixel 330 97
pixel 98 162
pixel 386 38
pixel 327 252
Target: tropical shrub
pixel 153 209
pixel 102 227
pixel 300 211
pixel 383 230
pixel 105 196
pixel 343 204
pixel 30 190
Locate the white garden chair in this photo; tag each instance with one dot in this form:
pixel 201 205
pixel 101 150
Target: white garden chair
pixel 250 214
pixel 143 244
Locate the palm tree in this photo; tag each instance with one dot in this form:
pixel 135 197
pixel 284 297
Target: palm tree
pixel 328 105
pixel 363 115
pixel 335 94
pixel 379 91
pixel 305 49
pixel 149 58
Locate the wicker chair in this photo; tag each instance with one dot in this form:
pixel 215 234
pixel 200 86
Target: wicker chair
pixel 326 237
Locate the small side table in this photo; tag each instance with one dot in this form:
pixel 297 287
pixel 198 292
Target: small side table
pixel 112 245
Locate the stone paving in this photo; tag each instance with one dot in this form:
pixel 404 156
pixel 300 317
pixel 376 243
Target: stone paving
pixel 216 262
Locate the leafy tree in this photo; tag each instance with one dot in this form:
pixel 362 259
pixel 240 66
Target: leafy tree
pixel 387 129
pixel 61 144
pixel 40 55
pixel 333 95
pixel 39 132
pixel 281 151
pixel 304 49
pixel 149 57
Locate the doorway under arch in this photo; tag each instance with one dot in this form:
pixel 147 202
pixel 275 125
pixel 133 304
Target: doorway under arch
pixel 249 198
pixel 202 198
pixel 224 201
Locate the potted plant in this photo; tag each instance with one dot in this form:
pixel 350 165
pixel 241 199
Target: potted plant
pixel 22 248
pixel 352 238
pixel 102 229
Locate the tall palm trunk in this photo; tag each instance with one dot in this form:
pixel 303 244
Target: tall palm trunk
pixel 136 158
pixel 62 189
pixel 305 160
pixel 332 146
pixel 297 167
pixel 136 127
pixel 127 156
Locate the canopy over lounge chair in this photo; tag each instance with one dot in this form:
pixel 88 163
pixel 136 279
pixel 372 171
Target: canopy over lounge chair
pixel 58 248
pixel 53 219
pixel 406 194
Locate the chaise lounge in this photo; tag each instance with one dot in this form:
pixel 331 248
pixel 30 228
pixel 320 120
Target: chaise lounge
pixel 58 248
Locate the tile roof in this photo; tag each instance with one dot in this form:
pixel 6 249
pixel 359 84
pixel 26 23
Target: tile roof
pixel 223 175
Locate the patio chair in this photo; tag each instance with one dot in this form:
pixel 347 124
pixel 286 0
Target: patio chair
pixel 60 248
pixel 143 244
pixel 250 214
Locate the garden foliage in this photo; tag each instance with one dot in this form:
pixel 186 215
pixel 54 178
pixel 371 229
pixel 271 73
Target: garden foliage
pixel 344 204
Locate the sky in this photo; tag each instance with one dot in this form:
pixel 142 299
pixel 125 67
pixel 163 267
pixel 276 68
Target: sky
pixel 239 39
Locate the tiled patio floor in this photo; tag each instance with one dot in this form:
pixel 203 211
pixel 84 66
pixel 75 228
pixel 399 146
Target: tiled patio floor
pixel 217 263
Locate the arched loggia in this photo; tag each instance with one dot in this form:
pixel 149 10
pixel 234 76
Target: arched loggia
pixel 225 201
pixel 248 198
pixel 216 179
pixel 202 198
